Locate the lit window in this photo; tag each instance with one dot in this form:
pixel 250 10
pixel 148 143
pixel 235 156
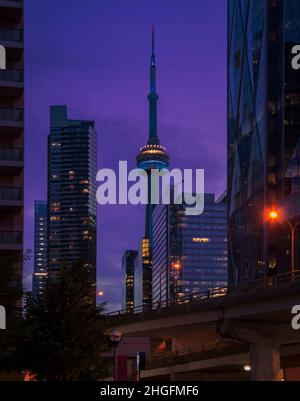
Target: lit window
pixel 201 240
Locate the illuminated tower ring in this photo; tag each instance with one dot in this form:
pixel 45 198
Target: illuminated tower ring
pixel 153 156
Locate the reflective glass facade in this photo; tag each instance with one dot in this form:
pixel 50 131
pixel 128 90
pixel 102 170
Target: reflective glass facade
pixel 263 135
pixel 72 169
pixel 189 252
pixel 40 274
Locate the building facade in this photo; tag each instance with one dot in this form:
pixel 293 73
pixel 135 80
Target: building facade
pixel 189 252
pixel 263 138
pixel 40 275
pixel 72 169
pixel 143 276
pixel 11 145
pixel 128 262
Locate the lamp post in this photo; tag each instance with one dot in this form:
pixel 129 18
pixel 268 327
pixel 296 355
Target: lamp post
pixel 293 228
pixel 115 338
pixel 274 216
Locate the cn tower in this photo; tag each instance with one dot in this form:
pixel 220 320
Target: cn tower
pixel 153 155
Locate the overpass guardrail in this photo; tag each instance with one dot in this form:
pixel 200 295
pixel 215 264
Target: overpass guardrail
pixel 289 278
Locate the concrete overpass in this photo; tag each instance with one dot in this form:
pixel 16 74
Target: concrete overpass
pixel 216 336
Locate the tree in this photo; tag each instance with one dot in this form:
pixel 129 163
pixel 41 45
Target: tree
pixel 62 337
pixel 11 298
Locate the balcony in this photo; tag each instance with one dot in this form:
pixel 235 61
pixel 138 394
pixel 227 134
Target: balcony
pixel 11 241
pixel 11 83
pixel 11 3
pixel 11 160
pixel 11 9
pixel 11 37
pixel 11 199
pixel 12 40
pixel 11 121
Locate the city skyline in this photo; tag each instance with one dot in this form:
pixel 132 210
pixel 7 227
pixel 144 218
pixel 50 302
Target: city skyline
pixel 192 107
pixel 149 193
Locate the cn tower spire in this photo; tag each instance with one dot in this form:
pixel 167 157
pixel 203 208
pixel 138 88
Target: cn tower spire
pixel 153 46
pixel 153 97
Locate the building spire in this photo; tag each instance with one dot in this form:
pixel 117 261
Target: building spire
pixel 153 97
pixel 153 44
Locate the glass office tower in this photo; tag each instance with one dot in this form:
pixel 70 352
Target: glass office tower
pixel 189 252
pixel 40 275
pixel 128 261
pixel 72 169
pixel 263 136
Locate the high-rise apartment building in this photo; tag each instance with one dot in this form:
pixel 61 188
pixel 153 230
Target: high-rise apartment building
pixel 11 143
pixel 189 252
pixel 40 275
pixel 72 169
pixel 128 262
pixel 263 138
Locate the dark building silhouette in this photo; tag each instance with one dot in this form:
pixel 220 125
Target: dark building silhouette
pixel 11 145
pixel 72 169
pixel 263 138
pixel 40 275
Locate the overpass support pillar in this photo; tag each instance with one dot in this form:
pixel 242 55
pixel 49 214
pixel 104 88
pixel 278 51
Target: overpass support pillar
pixel 264 341
pixel 265 360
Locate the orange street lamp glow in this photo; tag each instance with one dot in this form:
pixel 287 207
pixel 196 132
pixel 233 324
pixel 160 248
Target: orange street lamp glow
pixel 273 215
pixel 177 266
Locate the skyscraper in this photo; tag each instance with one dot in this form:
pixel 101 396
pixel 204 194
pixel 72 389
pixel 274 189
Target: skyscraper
pixel 143 276
pixel 72 165
pixel 151 156
pixel 189 252
pixel 263 138
pixel 128 261
pixel 11 145
pixel 40 275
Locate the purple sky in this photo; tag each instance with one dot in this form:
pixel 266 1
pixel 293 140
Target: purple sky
pixel 94 56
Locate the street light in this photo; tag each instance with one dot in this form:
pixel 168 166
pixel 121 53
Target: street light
pixel 293 228
pixel 274 215
pixel 115 338
pixel 247 368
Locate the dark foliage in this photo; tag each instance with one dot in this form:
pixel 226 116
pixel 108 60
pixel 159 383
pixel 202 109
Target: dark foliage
pixel 61 337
